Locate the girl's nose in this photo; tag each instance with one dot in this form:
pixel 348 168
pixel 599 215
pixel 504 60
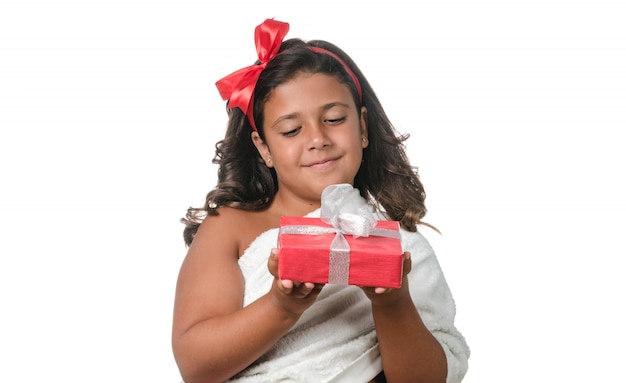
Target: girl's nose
pixel 318 137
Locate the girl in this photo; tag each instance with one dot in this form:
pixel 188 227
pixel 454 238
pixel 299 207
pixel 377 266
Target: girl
pixel 303 118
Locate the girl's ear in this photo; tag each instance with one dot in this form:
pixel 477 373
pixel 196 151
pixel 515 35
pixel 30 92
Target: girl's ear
pixel 363 127
pixel 263 149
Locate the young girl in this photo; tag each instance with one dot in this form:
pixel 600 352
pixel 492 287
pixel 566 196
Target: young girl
pixel 302 118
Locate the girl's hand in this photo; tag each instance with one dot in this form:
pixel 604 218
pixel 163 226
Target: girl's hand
pixel 383 295
pixel 293 297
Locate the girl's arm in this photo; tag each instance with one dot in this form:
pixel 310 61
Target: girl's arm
pixel 213 337
pixel 409 352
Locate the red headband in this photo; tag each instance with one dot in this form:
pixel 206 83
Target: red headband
pixel 238 87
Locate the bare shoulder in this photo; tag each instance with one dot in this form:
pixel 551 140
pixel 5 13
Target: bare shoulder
pixel 221 239
pixel 210 281
pixel 236 227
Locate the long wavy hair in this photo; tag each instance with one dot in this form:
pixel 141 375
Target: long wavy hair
pixel 385 179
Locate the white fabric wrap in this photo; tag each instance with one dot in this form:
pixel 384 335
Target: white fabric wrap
pixel 335 340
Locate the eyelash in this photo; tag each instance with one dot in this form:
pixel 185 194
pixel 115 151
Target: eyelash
pixel 331 121
pixel 334 121
pixel 291 133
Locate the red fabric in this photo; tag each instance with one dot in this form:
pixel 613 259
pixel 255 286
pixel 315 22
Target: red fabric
pixel 374 261
pixel 238 87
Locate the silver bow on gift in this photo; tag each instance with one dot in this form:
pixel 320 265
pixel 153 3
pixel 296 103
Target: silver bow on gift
pixel 343 208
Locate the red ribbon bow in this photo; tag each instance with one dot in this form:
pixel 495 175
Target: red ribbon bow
pixel 238 87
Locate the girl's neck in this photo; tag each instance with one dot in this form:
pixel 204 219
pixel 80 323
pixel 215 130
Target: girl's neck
pixel 292 206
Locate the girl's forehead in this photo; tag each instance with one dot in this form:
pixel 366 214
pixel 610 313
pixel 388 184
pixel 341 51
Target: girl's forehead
pixel 308 88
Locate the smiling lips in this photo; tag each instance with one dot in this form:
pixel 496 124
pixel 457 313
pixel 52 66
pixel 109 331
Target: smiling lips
pixel 322 163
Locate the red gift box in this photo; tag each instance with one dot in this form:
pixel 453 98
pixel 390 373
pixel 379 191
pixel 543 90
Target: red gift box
pixel 309 252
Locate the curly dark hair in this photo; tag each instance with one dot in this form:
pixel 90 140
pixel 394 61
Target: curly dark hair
pixel 386 179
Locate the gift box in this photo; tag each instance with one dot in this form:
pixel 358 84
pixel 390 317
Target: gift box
pixel 311 250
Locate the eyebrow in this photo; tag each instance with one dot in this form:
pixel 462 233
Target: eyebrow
pixel 283 118
pixel 324 107
pixel 333 104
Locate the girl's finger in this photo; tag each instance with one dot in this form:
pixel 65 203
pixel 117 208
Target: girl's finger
pixel 380 290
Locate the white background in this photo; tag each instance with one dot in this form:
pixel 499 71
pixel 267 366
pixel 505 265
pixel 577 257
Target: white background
pixel 108 120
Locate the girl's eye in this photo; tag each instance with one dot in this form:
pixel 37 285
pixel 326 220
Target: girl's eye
pixel 290 133
pixel 335 121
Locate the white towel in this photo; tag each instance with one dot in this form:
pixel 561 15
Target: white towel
pixel 334 340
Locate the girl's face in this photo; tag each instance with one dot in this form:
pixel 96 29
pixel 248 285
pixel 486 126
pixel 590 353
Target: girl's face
pixel 314 136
